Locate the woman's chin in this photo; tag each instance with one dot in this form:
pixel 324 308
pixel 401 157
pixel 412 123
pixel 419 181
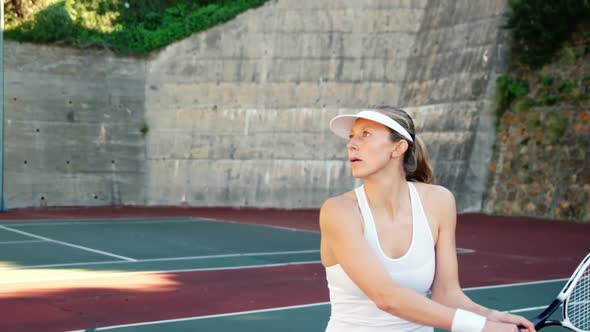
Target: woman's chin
pixel 358 174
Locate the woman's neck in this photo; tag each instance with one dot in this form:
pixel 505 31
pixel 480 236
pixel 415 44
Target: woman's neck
pixel 386 192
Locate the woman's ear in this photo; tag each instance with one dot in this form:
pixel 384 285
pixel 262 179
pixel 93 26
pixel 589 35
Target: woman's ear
pixel 399 148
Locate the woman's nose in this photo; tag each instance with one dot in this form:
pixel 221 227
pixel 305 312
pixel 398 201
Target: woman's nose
pixel 352 144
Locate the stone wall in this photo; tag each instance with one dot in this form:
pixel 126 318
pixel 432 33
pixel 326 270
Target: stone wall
pixel 72 130
pixel 238 114
pixel 459 51
pixel 539 172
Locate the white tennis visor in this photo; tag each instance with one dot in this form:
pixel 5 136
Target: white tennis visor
pixel 341 124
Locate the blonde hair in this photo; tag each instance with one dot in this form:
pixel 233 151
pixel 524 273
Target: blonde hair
pixel 416 162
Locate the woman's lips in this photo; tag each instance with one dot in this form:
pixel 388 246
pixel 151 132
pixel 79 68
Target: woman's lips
pixel 354 160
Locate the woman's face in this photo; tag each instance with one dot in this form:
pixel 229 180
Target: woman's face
pixel 370 147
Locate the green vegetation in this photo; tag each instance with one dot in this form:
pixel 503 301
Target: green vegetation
pixel 565 86
pixel 556 129
pixel 548 79
pixel 534 119
pixel 508 89
pixel 524 94
pixel 144 129
pixel 567 56
pixel 540 27
pixel 547 99
pixel 523 104
pixel 125 26
pixel 550 123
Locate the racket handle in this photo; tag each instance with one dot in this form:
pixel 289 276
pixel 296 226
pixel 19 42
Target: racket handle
pixel 541 324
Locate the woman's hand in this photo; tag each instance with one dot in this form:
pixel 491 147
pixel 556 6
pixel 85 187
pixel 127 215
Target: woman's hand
pixel 494 326
pixel 515 320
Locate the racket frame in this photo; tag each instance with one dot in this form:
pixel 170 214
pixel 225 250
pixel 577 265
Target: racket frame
pixel 541 320
pixel 570 287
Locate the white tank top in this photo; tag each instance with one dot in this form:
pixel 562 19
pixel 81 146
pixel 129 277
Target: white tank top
pixel 352 310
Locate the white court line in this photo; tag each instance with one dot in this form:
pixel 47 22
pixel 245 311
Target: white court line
pixel 102 222
pixel 67 244
pixel 209 316
pixel 516 284
pixel 184 220
pixel 252 254
pixel 264 225
pixel 269 253
pixel 528 309
pixel 21 241
pixel 63 265
pixel 245 313
pixel 104 275
pixel 123 221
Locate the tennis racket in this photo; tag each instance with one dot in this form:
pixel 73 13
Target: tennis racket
pixel 575 297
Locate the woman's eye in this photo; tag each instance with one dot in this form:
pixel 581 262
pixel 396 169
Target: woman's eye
pixel 366 133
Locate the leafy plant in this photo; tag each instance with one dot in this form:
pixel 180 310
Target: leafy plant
pixel 144 129
pixel 567 56
pixel 556 129
pixel 585 82
pixel 577 95
pixel 565 86
pixel 533 119
pixel 539 27
pixel 127 27
pixel 548 80
pixel 508 89
pixel 547 99
pixel 51 24
pixel 523 104
pixel 18 11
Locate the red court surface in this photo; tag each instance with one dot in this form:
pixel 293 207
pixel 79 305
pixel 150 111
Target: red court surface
pixel 505 250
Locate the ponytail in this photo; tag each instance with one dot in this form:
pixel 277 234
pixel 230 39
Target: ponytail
pixel 417 164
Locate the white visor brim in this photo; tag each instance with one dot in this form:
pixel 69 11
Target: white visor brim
pixel 341 124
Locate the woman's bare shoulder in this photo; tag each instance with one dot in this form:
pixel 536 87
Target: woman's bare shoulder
pixel 434 192
pixel 339 207
pixel 436 199
pixel 340 202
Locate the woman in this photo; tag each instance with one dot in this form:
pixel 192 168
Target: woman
pixel 389 242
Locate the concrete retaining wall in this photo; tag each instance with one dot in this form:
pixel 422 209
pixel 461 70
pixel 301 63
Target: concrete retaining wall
pixel 73 122
pixel 238 114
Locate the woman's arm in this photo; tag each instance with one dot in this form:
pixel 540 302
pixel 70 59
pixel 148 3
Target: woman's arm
pixel 342 231
pixel 445 288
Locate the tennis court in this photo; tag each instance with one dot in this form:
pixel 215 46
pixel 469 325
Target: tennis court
pixel 198 274
pixel 313 317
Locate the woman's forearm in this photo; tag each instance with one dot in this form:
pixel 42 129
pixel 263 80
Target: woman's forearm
pixel 407 304
pixel 458 299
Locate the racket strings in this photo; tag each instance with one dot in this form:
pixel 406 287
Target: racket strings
pixel 578 304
